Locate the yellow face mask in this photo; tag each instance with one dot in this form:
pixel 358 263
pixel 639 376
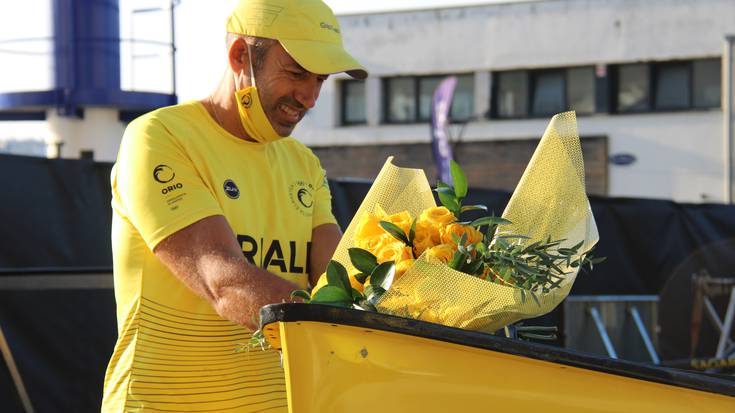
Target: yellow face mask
pixel 252 115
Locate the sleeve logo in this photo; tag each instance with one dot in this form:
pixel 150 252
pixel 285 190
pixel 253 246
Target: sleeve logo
pixel 163 174
pixel 301 197
pixel 231 189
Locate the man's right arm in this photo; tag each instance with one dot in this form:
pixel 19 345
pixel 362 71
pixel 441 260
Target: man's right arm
pixel 205 256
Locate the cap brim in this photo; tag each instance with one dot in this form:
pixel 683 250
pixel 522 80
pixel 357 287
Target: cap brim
pixel 323 58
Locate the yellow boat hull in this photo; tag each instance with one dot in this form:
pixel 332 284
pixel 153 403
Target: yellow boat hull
pixel 410 366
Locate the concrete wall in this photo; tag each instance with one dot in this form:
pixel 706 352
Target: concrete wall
pixel 100 131
pixel 679 154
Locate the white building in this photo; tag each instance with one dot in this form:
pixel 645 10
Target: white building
pixel 645 77
pixel 645 74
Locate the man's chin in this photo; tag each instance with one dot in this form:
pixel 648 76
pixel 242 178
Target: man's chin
pixel 284 130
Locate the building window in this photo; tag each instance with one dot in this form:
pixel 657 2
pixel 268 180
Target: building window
pixel 633 88
pixel 548 93
pixel 353 102
pixel 512 94
pixel 672 86
pixel 581 90
pixel 540 93
pixel 665 86
pixel 706 83
pixel 401 95
pixel 408 99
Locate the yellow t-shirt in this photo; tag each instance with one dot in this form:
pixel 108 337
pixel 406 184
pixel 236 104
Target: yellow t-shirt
pixel 175 167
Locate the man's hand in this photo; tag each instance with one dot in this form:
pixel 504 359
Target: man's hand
pixel 324 240
pixel 205 256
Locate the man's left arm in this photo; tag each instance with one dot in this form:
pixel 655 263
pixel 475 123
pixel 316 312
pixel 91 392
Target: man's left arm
pixel 324 240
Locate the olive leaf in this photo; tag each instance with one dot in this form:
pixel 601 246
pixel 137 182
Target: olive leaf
pixel 489 221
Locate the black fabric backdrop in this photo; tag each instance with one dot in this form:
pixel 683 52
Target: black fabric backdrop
pixel 57 216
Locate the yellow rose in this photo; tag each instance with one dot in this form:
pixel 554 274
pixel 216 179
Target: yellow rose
pixel 395 251
pixel 423 239
pixel 473 236
pixel 433 230
pixel 403 266
pixel 375 242
pixel 442 252
pixel 402 220
pixel 439 216
pixel 369 225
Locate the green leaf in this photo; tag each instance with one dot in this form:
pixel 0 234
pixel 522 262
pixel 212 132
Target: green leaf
pixel 449 201
pixel 361 277
pixel 363 260
pixel 412 232
pixel 301 294
pixel 356 296
pixel 383 275
pixel 459 178
pixel 395 231
pixel 489 221
pixel 467 208
pixel 332 295
pixel 457 260
pixel 446 190
pixel 337 276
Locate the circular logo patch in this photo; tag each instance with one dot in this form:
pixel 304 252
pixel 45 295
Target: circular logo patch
pixel 305 198
pixel 163 173
pixel 301 195
pixel 231 189
pixel 247 100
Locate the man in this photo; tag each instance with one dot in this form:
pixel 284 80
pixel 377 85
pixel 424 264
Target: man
pixel 218 212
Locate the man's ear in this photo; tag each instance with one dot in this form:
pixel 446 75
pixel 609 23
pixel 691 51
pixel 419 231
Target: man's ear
pixel 238 56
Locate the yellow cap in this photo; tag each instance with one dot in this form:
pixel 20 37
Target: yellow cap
pixel 307 29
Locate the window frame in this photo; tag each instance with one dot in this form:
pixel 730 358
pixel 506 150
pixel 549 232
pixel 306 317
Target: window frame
pixel 385 113
pixel 343 103
pixel 532 75
pixel 654 69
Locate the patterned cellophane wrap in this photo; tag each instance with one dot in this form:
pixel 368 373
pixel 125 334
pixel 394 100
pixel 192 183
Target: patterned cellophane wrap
pixel 549 201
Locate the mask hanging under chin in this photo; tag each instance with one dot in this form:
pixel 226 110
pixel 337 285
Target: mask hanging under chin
pixel 253 117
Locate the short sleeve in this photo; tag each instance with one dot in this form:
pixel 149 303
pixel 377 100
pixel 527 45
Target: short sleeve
pixel 322 199
pixel 155 185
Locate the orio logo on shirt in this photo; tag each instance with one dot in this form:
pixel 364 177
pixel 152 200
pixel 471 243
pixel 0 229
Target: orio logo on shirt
pixel 301 195
pixel 163 174
pixel 231 190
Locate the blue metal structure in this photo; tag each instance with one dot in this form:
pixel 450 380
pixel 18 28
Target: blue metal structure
pixel 86 66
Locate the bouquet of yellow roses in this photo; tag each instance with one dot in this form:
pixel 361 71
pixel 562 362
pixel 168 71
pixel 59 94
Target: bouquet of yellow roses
pixel 404 255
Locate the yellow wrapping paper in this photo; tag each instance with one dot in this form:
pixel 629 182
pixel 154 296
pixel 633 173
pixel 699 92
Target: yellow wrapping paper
pixel 550 200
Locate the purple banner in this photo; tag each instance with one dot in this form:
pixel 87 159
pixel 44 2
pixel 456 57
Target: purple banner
pixel 440 105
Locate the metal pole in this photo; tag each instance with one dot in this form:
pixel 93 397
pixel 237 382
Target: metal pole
pixel 644 335
pixel 173 47
pixel 727 326
pixel 15 374
pixel 728 111
pixel 603 333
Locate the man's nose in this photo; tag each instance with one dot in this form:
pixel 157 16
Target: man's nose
pixel 308 92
